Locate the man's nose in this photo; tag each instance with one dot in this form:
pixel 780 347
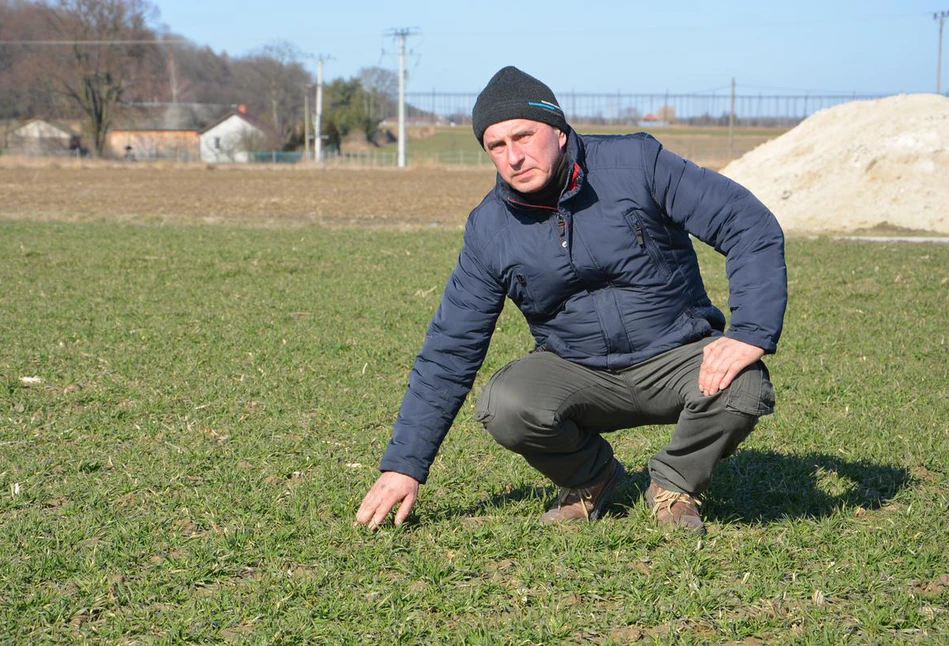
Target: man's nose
pixel 515 154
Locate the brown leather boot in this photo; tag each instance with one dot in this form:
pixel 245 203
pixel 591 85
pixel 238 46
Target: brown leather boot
pixel 675 509
pixel 586 503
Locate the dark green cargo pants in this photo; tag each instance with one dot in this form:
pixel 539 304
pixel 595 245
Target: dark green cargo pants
pixel 554 412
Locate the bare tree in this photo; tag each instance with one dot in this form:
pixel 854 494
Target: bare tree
pixel 111 55
pixel 274 82
pixel 381 95
pixel 203 76
pixel 178 85
pixel 23 69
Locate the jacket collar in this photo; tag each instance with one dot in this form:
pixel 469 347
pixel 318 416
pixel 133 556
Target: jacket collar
pixel 575 161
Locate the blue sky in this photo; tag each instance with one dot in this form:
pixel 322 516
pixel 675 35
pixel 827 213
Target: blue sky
pixel 869 46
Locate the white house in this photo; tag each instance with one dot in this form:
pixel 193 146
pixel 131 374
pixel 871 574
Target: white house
pixel 232 139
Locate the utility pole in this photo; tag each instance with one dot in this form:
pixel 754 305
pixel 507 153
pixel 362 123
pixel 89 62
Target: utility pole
pixel 941 19
pixel 402 34
pixel 318 119
pixel 306 123
pixel 731 123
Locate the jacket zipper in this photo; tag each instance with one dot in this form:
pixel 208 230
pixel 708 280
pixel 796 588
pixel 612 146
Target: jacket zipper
pixel 562 229
pixel 651 250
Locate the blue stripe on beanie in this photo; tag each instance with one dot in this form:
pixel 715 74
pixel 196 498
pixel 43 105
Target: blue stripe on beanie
pixel 546 106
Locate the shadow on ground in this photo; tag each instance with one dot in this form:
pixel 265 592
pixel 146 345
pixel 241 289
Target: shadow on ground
pixel 764 486
pixel 752 487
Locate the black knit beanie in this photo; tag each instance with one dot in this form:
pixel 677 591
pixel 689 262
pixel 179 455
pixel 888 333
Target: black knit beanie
pixel 512 94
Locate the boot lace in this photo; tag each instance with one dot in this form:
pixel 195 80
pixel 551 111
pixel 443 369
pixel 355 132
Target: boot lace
pixel 665 499
pixel 582 495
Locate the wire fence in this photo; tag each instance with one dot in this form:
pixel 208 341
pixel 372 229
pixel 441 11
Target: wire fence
pixel 633 111
pixel 375 158
pixel 714 152
pixel 713 108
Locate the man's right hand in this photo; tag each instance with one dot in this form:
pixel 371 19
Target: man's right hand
pixel 391 489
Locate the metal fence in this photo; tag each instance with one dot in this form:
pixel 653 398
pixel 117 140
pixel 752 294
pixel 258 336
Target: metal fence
pixel 613 109
pixel 274 157
pixel 620 108
pixel 368 158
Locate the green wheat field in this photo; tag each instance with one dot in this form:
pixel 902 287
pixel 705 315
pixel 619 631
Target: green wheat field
pixel 190 415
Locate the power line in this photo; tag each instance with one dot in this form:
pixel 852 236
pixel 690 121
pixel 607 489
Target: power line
pixel 710 91
pixel 93 43
pixel 809 90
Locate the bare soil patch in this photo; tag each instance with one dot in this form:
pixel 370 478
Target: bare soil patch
pixel 274 195
pixel 251 195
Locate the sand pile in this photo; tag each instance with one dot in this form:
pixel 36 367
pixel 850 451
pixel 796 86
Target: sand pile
pixel 856 166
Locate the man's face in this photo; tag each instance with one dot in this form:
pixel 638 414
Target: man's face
pixel 526 153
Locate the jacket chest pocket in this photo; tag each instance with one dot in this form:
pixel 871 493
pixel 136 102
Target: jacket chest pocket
pixel 535 292
pixel 646 243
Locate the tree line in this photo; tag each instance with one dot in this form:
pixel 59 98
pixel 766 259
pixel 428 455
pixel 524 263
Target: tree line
pixel 84 60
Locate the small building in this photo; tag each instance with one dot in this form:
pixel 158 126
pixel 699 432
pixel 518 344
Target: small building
pixel 161 131
pixel 39 137
pixel 234 138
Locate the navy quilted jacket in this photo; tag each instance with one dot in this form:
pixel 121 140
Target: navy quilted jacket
pixel 607 280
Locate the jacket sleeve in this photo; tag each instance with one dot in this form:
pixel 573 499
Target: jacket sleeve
pixel 454 348
pixel 725 215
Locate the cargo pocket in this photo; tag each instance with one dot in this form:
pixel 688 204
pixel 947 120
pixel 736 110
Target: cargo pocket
pixel 751 393
pixel 485 406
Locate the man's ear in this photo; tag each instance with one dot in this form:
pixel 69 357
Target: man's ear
pixel 563 140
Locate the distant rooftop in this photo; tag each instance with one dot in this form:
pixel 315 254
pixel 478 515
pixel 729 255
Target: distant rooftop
pixel 170 116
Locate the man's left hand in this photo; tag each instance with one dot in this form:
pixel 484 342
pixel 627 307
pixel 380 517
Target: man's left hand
pixel 723 359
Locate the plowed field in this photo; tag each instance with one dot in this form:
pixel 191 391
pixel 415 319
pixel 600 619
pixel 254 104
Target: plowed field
pixel 261 195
